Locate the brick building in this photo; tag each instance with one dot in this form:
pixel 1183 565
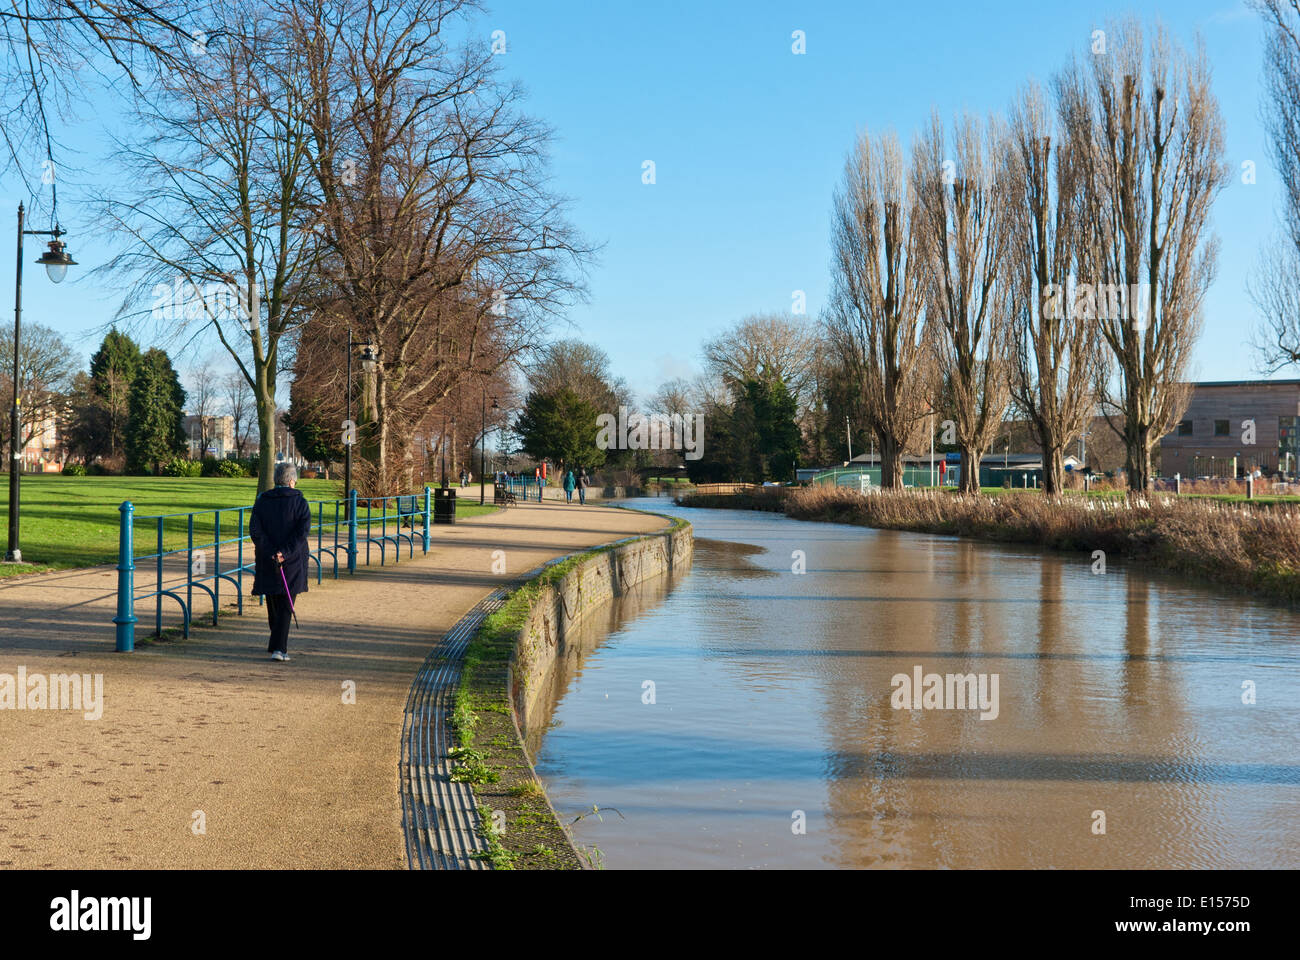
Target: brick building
pixel 1232 427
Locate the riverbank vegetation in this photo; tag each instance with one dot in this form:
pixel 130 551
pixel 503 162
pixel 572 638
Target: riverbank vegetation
pixel 489 752
pixel 1235 546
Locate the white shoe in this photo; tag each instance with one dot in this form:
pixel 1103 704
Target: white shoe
pixel 277 655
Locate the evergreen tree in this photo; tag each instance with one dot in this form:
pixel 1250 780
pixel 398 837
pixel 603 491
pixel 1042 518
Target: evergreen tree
pixel 86 424
pixel 315 436
pixel 155 414
pixel 561 427
pixel 112 370
pixel 778 435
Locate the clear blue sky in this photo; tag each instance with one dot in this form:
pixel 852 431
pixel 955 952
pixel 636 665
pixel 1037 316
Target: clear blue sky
pixel 749 141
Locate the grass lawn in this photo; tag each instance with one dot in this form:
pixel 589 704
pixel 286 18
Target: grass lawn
pixel 73 521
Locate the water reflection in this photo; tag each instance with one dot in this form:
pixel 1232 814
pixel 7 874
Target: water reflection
pixel 1119 692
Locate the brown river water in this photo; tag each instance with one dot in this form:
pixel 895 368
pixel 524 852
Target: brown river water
pixel 744 715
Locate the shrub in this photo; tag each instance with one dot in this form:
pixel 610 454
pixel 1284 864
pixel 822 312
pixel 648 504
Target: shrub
pixel 230 468
pixel 180 467
pixel 73 470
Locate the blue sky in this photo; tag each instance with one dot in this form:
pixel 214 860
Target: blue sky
pixel 749 141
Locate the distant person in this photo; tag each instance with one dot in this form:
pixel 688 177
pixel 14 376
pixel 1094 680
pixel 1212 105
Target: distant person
pixel 569 484
pixel 582 485
pixel 279 526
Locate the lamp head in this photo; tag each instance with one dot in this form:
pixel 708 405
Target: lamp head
pixel 56 261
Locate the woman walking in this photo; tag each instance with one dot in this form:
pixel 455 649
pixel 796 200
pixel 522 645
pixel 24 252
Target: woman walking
pixel 569 484
pixel 582 485
pixel 279 526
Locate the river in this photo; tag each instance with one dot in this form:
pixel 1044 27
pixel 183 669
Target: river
pixel 745 715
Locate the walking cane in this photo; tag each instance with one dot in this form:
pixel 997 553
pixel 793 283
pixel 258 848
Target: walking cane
pixel 287 594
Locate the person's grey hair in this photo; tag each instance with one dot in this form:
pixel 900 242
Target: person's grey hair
pixel 285 474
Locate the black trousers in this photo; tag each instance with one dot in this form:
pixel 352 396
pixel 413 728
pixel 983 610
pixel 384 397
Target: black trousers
pixel 278 614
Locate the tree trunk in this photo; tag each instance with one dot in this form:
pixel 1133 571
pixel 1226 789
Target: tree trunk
pixel 264 397
pixel 1053 467
pixel 970 470
pixel 891 462
pixel 1139 477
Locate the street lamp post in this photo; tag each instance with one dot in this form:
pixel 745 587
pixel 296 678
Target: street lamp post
pixel 482 449
pixel 349 438
pixel 443 445
pixel 56 262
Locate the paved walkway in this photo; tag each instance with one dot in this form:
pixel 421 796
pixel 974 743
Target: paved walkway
pixel 281 771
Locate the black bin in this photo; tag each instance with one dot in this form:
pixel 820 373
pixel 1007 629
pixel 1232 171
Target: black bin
pixel 444 505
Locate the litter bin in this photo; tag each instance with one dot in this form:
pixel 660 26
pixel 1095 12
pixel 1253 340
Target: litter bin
pixel 444 505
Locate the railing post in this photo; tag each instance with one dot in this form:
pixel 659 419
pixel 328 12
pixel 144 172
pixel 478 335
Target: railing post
pixel 216 565
pixel 126 618
pixel 320 522
pixel 352 531
pixel 428 507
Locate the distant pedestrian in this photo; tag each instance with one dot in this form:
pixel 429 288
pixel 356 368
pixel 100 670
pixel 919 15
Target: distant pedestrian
pixel 279 526
pixel 582 485
pixel 569 485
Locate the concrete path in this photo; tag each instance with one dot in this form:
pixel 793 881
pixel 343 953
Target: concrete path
pixel 267 758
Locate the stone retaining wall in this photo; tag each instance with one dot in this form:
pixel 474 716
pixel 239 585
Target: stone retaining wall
pixel 604 575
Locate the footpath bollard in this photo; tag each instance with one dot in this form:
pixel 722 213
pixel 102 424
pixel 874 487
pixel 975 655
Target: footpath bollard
pixel 352 531
pixel 126 617
pixel 428 510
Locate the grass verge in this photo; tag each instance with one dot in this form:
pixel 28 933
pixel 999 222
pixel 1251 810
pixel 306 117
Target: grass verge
pixel 70 522
pixel 489 754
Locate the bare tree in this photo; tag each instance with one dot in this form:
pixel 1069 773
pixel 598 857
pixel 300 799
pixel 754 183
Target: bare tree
pixel 203 403
pixel 582 368
pixel 222 231
pixel 49 44
pixel 1275 285
pixel 1153 170
pixel 769 346
pixel 45 368
pixel 1057 350
pixel 240 408
pixel 876 317
pixel 964 228
pixel 673 396
pixel 446 252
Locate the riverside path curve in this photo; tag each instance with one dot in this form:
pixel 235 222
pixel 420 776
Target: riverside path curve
pixel 210 755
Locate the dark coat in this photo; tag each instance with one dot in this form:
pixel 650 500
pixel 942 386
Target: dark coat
pixel 280 523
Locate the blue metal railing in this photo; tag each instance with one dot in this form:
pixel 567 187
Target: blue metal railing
pixel 384 522
pixel 524 488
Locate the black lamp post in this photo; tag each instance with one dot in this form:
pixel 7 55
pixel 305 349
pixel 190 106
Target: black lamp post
pixel 349 439
pixel 482 449
pixel 56 262
pixel 369 363
pixel 443 444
